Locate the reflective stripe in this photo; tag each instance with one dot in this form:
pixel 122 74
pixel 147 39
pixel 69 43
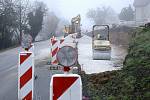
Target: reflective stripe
pixel 26 89
pixel 25 66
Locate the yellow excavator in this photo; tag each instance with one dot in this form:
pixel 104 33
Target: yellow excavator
pixel 67 30
pixel 75 23
pixel 74 27
pixel 100 43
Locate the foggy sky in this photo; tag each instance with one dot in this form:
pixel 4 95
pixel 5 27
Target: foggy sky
pixel 70 8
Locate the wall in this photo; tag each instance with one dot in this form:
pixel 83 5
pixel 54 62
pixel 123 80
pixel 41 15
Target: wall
pixel 142 13
pixel 147 12
pixel 139 13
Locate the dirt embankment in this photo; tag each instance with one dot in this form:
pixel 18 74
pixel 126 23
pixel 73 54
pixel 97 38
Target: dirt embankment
pixel 118 35
pixel 92 83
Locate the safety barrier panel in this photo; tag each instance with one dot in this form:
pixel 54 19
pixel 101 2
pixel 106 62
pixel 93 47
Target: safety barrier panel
pixel 25 76
pixel 66 87
pixel 54 49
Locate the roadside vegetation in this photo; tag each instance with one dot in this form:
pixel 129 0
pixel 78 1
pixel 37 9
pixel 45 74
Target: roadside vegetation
pixel 130 83
pixel 25 17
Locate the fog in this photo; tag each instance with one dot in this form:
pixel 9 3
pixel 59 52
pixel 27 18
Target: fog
pixel 70 8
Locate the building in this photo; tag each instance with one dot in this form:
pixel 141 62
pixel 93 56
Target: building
pixel 142 10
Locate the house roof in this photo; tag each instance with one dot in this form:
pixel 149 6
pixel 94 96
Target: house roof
pixel 141 3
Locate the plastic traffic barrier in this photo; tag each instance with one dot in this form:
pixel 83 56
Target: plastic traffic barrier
pixel 54 49
pixel 66 87
pixel 25 76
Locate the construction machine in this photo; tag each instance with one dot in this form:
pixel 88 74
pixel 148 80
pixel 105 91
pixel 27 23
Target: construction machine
pixel 100 43
pixel 74 27
pixel 75 23
pixel 67 30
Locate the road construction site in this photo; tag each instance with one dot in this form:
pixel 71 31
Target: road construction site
pixel 8 76
pixel 31 70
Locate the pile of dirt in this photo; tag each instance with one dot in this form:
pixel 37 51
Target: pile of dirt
pixel 121 35
pixel 118 35
pixel 93 82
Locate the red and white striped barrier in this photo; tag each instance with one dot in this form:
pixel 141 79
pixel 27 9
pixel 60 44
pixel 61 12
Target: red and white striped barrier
pixel 62 41
pixel 66 87
pixel 54 49
pixel 25 76
pixel 31 48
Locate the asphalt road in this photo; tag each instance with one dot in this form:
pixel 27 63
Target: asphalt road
pixel 8 68
pixel 9 60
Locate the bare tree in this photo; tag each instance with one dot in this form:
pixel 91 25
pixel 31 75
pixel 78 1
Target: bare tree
pixel 13 15
pixel 23 7
pixel 127 14
pixel 102 15
pixel 8 23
